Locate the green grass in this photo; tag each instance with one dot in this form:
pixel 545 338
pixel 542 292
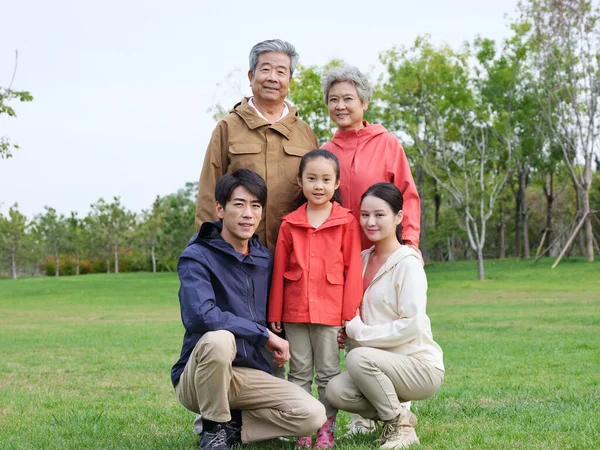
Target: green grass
pixel 85 361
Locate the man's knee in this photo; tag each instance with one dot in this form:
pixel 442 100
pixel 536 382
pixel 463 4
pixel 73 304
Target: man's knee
pixel 312 415
pixel 217 346
pixel 334 392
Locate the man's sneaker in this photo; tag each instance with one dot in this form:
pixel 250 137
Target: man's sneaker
pixel 234 433
pixel 399 432
pixel 216 439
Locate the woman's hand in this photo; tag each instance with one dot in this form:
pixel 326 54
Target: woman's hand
pixel 341 337
pixel 276 327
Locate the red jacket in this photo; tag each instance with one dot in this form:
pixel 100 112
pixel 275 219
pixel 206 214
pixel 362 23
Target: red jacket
pixel 368 156
pixel 317 274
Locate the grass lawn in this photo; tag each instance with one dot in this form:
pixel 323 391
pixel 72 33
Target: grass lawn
pixel 85 361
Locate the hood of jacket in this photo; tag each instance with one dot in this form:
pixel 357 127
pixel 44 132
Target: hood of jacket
pixel 363 135
pixel 299 218
pixel 403 252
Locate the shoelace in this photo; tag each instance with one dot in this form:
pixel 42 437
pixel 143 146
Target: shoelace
pixel 219 439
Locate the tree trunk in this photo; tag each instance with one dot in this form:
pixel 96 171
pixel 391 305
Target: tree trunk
pixel 438 202
pixel 480 272
pixel 116 249
pixel 589 232
pixel 549 193
pixel 524 218
pixel 501 235
pixel 517 252
pixel 13 264
pixel 423 218
pixel 76 264
pixel 107 262
pixel 153 259
pixel 57 270
pixel 581 212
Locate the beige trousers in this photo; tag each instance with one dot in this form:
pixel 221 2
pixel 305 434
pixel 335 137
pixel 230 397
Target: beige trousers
pixel 314 351
pixel 376 382
pixel 271 407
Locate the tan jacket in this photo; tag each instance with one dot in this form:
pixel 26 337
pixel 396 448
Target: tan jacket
pixel 245 140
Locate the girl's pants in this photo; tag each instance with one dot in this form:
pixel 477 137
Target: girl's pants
pixel 313 348
pixel 376 382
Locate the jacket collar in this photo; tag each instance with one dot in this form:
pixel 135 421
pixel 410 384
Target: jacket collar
pixel 209 235
pixel 299 218
pixel 403 252
pixel 362 135
pixel 285 126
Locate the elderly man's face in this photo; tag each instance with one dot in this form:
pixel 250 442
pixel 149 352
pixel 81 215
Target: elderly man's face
pixel 271 78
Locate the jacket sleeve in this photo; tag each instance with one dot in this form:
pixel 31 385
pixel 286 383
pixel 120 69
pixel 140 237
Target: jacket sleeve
pixel 403 179
pixel 411 300
pixel 212 168
pixel 280 266
pixel 352 269
pixel 199 311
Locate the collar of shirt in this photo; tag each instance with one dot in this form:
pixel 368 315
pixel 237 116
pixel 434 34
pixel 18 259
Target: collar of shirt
pixel 284 113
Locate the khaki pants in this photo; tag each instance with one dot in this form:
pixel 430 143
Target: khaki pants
pixel 313 349
pixel 271 407
pixel 376 382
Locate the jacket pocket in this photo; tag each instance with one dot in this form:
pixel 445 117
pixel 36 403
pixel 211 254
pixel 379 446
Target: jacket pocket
pixel 335 278
pixel 246 156
pixel 292 275
pixel 292 161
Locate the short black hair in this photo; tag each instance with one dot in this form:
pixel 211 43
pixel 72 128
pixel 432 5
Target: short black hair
pixel 246 178
pixel 309 156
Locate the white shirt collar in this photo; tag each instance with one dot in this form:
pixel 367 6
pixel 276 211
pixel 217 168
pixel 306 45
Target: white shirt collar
pixel 284 113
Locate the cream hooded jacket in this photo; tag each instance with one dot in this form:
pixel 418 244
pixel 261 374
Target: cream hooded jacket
pixel 392 314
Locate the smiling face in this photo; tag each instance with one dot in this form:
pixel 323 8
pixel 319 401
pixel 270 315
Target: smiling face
pixel 319 181
pixel 241 215
pixel 271 79
pixel 345 107
pixel 377 219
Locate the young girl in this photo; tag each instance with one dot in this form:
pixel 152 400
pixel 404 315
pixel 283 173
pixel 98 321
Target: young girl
pixel 394 357
pixel 316 283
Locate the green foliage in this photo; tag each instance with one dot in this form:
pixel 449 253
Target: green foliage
pixel 8 95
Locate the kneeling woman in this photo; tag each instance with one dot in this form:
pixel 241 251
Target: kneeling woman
pixel 394 358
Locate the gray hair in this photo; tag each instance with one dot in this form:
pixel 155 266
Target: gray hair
pixel 350 74
pixel 274 45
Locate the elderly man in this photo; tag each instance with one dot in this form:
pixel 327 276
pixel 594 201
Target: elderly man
pixel 261 133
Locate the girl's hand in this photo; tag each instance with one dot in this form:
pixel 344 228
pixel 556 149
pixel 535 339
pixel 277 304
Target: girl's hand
pixel 276 327
pixel 341 337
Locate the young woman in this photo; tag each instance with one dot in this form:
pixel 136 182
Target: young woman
pixel 394 358
pixel 316 281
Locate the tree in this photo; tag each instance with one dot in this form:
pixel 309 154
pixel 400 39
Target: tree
pixel 7 94
pixel 565 37
pixel 13 234
pixel 77 238
pixel 52 228
pixel 149 228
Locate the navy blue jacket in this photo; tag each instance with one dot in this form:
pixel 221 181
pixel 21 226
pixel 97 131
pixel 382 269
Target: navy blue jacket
pixel 222 289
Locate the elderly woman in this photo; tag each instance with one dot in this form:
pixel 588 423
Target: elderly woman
pixel 368 153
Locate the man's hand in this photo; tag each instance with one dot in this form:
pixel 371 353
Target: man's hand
pixel 279 347
pixel 341 337
pixel 276 327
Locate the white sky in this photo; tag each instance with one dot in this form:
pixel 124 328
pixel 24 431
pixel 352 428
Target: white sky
pixel 122 87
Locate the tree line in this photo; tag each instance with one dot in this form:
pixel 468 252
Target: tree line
pixel 502 138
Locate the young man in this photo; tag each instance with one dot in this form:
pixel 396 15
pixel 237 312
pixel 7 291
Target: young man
pixel 225 275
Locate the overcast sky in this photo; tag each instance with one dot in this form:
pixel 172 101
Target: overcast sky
pixel 122 87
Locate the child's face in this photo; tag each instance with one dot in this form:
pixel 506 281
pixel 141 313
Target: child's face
pixel 319 181
pixel 377 219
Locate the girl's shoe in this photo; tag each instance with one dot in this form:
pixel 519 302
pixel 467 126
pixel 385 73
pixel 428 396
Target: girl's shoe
pixel 325 434
pixel 304 442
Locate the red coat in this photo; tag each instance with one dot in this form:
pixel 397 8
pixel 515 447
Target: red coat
pixel 370 155
pixel 317 274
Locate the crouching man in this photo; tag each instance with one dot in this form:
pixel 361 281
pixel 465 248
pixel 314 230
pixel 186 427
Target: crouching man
pixel 225 276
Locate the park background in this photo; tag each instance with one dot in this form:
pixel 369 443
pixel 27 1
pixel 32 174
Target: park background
pixel 111 108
